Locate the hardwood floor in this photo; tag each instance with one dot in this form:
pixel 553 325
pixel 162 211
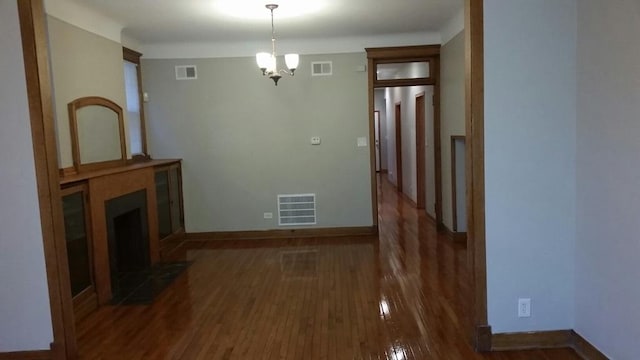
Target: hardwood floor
pixel 397 297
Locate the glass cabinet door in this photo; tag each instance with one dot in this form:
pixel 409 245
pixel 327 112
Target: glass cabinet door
pixel 77 238
pixel 174 194
pixel 163 203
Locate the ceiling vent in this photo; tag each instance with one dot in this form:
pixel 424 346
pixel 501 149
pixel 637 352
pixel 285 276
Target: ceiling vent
pixel 186 72
pixel 297 209
pixel 322 68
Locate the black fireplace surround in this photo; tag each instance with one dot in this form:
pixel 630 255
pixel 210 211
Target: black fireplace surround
pixel 128 238
pixel 133 279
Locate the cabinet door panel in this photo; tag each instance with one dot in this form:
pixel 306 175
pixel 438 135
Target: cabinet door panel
pixel 77 242
pixel 164 203
pixel 174 193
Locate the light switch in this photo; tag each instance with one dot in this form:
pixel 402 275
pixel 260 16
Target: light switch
pixel 362 141
pixel 315 140
pixel 145 97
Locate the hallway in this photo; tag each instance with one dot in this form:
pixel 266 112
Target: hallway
pixel 398 297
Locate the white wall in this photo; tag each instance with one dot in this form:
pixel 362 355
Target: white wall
pixel 25 318
pixel 82 64
pixel 530 122
pixel 452 75
pixel 244 140
pixel 608 176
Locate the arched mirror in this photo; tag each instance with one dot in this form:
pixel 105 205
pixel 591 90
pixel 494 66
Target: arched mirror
pixel 97 133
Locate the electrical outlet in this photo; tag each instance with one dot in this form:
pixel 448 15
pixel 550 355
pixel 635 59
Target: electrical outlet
pixel 268 215
pixel 524 307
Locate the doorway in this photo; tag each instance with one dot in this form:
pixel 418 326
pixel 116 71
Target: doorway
pixel 398 130
pixel 399 67
pixel 378 139
pixel 410 152
pixel 421 157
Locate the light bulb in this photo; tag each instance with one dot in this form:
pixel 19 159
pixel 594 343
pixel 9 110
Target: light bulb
pixel 263 59
pixel 292 61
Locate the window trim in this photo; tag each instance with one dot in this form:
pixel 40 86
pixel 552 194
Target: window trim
pixel 133 56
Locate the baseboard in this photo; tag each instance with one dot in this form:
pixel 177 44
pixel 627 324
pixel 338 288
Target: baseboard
pixel 546 340
pixel 171 243
pixel 482 338
pixel 409 199
pixel 26 355
pixel 455 236
pixel 585 349
pixel 429 217
pixel 284 234
pixel 531 340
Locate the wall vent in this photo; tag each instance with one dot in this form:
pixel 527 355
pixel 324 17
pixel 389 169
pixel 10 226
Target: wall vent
pixel 297 209
pixel 186 72
pixel 322 68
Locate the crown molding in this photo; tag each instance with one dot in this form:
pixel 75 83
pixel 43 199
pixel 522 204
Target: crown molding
pixel 301 46
pixel 84 18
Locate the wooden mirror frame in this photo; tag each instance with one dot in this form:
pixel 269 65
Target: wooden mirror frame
pixel 80 103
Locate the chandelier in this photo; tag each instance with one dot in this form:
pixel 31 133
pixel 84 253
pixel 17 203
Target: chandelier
pixel 267 62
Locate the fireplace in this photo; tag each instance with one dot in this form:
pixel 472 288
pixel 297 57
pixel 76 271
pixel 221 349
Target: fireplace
pixel 128 241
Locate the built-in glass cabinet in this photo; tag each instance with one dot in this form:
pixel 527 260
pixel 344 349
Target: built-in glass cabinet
pixel 79 249
pixel 168 181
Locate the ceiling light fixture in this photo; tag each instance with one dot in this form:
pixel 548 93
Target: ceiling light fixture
pixel 267 62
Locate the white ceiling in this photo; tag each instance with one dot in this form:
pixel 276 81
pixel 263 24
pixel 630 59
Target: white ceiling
pixel 171 21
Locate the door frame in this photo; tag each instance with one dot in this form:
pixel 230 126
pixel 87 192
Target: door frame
pixel 474 171
pixel 421 157
pixel 403 54
pixel 379 143
pixel 39 93
pixel 397 111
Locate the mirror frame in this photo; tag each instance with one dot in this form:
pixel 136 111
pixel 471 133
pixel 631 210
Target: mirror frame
pixel 80 103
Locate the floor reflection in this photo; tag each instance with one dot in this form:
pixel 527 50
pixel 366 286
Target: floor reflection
pixel 399 296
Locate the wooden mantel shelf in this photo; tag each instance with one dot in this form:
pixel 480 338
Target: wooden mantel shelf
pixel 105 172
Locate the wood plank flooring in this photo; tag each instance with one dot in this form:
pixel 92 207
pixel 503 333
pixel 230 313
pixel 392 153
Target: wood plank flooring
pixel 399 296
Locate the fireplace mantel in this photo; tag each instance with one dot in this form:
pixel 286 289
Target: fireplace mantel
pixel 75 177
pixel 107 184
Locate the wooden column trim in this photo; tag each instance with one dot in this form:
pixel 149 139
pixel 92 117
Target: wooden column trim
pixel 474 168
pixel 36 62
pixel 437 143
pixel 372 157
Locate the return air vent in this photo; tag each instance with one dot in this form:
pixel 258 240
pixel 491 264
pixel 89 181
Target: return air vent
pixel 297 209
pixel 322 68
pixel 186 72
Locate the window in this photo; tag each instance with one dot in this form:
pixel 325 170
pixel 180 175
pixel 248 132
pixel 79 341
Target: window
pixel 135 108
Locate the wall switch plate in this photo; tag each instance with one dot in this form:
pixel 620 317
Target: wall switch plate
pixel 268 215
pixel 362 141
pixel 315 140
pixel 524 307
